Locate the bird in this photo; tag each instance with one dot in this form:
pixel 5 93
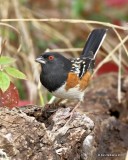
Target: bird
pixel 68 78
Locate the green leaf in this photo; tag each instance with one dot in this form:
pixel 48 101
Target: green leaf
pixel 6 60
pixel 15 73
pixel 78 7
pixel 4 81
pixel 12 36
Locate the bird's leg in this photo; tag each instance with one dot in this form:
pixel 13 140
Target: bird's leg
pixel 52 100
pixel 58 101
pixel 52 106
pixel 72 112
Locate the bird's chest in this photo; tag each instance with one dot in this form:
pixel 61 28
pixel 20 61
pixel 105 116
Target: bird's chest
pixel 72 93
pixel 53 80
pixel 74 88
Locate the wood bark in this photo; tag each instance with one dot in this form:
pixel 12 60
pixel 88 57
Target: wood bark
pixel 98 128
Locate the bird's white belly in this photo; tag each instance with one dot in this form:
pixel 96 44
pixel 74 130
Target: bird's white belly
pixel 72 93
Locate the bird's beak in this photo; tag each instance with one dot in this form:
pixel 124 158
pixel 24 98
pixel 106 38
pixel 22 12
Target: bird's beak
pixel 40 60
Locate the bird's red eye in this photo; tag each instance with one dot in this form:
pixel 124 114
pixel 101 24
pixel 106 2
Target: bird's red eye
pixel 51 58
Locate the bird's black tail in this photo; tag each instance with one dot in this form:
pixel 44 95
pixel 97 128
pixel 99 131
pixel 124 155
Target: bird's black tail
pixel 94 41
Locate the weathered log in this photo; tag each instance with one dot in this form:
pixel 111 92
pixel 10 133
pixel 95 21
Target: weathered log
pixel 97 130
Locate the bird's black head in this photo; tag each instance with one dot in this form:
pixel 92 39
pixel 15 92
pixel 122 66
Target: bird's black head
pixel 55 68
pixel 52 61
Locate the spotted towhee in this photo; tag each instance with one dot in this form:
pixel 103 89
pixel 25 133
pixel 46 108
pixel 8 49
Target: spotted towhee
pixel 68 78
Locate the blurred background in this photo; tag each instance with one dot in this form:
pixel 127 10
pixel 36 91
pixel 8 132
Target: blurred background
pixel 33 37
